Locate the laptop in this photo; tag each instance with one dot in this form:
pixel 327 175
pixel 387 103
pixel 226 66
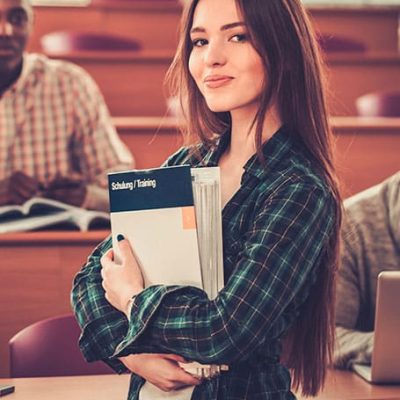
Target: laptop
pixel 385 362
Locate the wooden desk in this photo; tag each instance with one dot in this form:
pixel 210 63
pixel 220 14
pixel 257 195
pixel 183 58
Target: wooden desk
pixel 39 266
pixel 339 386
pixel 367 148
pixel 152 22
pixel 367 151
pixel 92 387
pixel 353 75
pixel 376 26
pixel 36 273
pixel 345 385
pixel 150 139
pixel 132 82
pixel 155 22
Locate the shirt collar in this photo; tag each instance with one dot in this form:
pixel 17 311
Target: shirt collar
pixel 31 69
pixel 274 150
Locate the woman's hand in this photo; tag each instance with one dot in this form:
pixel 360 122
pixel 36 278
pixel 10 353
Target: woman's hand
pixel 162 370
pixel 121 281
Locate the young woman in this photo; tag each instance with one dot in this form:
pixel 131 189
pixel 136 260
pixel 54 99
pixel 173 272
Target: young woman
pixel 248 75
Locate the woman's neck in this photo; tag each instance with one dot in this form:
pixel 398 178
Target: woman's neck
pixel 243 134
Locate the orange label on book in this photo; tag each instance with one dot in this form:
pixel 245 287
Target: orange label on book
pixel 188 217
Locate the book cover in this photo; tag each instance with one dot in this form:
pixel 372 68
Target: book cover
pixel 154 210
pixel 172 218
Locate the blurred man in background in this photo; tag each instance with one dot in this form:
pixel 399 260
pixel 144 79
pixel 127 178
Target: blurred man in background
pixel 370 244
pixel 56 135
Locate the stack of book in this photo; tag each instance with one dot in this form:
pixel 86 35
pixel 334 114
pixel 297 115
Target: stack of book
pixel 207 202
pixel 172 219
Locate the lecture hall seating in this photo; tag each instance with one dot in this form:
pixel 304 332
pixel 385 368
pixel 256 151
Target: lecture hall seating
pixel 138 90
pixel 62 42
pixel 135 86
pixel 367 149
pixel 54 340
pixel 367 152
pixel 332 43
pixel 379 104
pixel 155 22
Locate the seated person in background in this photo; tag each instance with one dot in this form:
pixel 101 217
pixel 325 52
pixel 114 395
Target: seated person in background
pixel 56 135
pixel 370 244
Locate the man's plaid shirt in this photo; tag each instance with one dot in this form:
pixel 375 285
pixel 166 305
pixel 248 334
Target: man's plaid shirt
pixel 276 229
pixel 54 122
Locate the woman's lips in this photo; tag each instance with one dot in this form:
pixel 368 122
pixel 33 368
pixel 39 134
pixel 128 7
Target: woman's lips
pixel 217 81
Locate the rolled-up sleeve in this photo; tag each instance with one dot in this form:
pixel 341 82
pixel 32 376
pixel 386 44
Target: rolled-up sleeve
pixel 103 327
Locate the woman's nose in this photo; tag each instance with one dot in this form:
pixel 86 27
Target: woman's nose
pixel 215 54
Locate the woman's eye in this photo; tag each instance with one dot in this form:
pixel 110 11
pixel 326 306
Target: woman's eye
pixel 199 42
pixel 239 38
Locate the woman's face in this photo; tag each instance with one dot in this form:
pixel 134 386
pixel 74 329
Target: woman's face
pixel 225 66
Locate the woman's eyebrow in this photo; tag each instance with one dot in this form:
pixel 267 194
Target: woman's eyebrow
pixel 223 27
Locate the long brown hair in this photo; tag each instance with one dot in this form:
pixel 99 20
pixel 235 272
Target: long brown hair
pixel 282 34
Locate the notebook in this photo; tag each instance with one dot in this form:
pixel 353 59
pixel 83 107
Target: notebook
pixel 385 362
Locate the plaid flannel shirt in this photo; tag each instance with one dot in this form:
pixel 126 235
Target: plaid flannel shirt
pixel 275 231
pixel 54 121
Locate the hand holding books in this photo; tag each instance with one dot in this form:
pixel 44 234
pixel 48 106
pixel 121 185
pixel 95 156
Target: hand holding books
pixel 172 218
pixel 169 377
pixel 121 281
pixel 154 210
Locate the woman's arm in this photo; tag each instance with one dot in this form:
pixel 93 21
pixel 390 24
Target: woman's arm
pixel 107 326
pixel 276 262
pixel 162 370
pixel 103 326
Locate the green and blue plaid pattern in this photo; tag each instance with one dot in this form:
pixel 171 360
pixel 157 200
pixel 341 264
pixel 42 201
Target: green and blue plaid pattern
pixel 275 229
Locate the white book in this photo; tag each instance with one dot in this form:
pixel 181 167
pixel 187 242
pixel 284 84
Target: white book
pixel 154 210
pixel 39 212
pixel 172 218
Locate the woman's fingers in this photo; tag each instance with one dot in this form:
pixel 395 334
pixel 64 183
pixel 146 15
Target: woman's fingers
pixel 174 357
pixel 107 259
pixel 183 378
pixel 162 370
pixel 126 251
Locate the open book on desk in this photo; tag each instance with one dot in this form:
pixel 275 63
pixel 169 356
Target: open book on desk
pixel 39 212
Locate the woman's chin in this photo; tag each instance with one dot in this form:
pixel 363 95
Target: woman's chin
pixel 217 108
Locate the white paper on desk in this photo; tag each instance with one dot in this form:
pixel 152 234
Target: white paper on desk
pixel 151 392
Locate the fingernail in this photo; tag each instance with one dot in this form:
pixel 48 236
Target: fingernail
pixel 120 237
